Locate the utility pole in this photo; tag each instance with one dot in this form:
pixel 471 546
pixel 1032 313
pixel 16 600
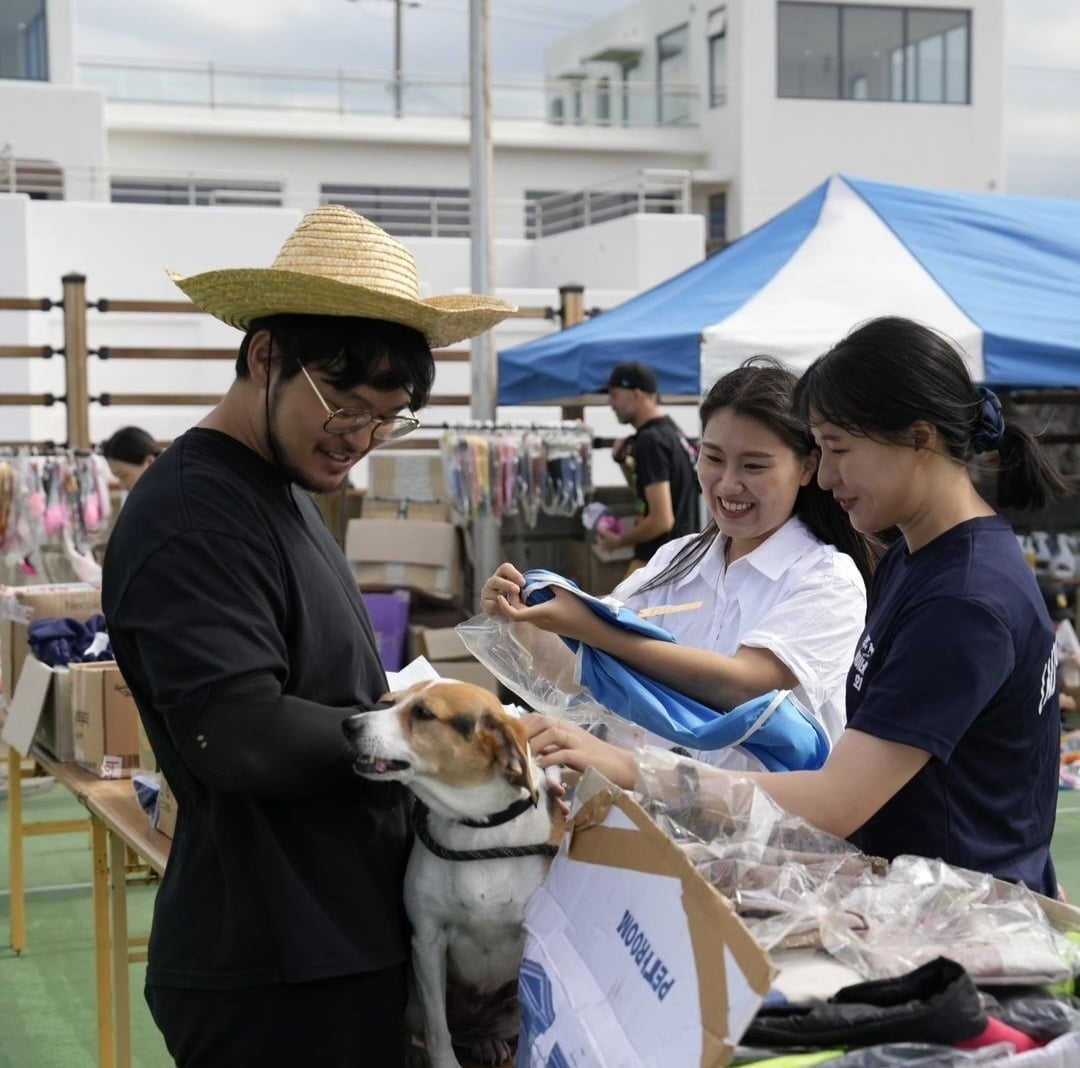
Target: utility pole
pixel 399 77
pixel 482 367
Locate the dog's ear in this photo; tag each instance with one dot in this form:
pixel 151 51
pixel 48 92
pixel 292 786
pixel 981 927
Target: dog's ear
pixel 511 749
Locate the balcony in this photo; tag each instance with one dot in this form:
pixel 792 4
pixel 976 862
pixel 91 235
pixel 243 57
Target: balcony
pixel 569 101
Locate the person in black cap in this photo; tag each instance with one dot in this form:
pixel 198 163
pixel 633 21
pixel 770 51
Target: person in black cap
pixel 1066 642
pixel 658 462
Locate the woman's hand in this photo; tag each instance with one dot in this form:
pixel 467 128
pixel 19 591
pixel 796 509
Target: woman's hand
pixel 504 587
pixel 564 614
pixel 556 741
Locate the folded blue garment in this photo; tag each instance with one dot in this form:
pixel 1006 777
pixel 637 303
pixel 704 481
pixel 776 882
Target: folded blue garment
pixel 774 728
pixel 59 642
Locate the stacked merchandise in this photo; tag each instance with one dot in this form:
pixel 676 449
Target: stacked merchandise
pixel 913 962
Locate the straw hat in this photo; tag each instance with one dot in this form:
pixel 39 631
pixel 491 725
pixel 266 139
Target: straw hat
pixel 338 263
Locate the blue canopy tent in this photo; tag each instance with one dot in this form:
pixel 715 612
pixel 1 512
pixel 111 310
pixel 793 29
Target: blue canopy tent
pixel 999 274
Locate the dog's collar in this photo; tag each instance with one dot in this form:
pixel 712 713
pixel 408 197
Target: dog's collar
pixel 420 826
pixel 511 812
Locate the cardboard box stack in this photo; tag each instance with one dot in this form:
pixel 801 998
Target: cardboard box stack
pixel 446 653
pixel 48 694
pixel 404 539
pixel 106 721
pixel 406 486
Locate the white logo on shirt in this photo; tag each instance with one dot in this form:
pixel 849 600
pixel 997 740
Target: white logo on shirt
pixel 1049 679
pixel 862 661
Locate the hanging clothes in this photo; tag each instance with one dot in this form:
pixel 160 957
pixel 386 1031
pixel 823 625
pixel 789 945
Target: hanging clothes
pixel 509 471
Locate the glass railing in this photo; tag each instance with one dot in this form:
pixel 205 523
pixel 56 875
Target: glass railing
pixel 577 101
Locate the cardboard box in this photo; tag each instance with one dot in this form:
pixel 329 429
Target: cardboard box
pixel 40 711
pixel 20 605
pixel 405 508
pixel 405 554
pixel 631 957
pixel 147 757
pixel 447 654
pixel 416 475
pixel 165 810
pixel 106 720
pixel 467 671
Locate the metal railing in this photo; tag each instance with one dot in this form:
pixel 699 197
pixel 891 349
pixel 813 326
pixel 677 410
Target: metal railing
pixel 568 101
pixel 404 214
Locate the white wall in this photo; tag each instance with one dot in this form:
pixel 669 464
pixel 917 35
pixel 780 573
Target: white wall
pixel 62 124
pixel 124 250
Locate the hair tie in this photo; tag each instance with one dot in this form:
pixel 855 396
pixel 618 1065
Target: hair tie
pixel 989 433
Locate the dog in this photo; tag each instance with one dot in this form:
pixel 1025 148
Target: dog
pixel 485 818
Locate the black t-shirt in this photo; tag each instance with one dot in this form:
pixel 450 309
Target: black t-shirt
pixel 958 660
pixel 662 454
pixel 238 626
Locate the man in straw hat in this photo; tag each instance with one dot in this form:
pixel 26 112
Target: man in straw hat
pixel 279 936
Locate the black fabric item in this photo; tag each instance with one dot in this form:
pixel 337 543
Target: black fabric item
pixel 936 1003
pixel 1033 1012
pixel 239 628
pixel 662 454
pixel 353 1022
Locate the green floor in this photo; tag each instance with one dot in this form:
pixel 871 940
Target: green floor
pixel 47 1006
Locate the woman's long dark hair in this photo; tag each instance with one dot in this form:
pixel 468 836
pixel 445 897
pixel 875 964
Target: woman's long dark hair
pixel 130 445
pixel 763 389
pixel 891 373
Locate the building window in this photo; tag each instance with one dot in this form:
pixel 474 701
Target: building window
pixel 406 211
pixel 717 31
pixel 717 220
pixel 195 191
pixel 673 75
pixel 859 52
pixel 24 52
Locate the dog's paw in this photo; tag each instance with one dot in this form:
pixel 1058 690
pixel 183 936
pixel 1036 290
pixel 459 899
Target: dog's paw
pixel 493 1051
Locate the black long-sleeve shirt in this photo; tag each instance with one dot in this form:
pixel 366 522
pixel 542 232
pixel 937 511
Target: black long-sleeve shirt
pixel 240 630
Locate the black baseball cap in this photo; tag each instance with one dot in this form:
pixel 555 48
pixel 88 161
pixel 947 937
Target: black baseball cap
pixel 631 375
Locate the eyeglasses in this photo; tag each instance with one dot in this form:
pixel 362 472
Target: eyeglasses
pixel 349 420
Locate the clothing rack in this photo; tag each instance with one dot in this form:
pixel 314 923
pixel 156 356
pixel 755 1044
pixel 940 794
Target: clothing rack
pixel 54 504
pixel 509 469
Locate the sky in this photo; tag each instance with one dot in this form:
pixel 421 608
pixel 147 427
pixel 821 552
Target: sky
pixel 1042 53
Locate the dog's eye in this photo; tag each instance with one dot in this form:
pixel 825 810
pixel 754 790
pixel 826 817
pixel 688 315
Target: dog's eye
pixel 420 712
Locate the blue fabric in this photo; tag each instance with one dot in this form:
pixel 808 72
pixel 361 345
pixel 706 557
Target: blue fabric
pixel 788 740
pixel 661 327
pixel 59 642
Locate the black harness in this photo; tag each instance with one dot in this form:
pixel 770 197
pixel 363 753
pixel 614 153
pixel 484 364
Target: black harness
pixel 511 812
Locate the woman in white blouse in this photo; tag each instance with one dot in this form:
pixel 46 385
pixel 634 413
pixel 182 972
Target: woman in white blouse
pixel 779 571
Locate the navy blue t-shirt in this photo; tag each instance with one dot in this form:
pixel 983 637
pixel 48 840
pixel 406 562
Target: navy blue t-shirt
pixel 958 660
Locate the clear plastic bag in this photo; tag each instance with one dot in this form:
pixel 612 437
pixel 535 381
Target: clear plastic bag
pixel 535 665
pixel 798 887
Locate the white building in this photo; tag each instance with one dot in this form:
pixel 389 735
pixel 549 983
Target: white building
pixel 786 92
pixel 660 129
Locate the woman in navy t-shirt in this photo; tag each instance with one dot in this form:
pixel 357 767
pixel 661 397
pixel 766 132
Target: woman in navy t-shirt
pixel 951 746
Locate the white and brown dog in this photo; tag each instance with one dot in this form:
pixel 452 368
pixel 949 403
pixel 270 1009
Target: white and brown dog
pixel 485 817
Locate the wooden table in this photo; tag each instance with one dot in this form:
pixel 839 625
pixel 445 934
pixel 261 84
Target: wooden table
pixel 116 824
